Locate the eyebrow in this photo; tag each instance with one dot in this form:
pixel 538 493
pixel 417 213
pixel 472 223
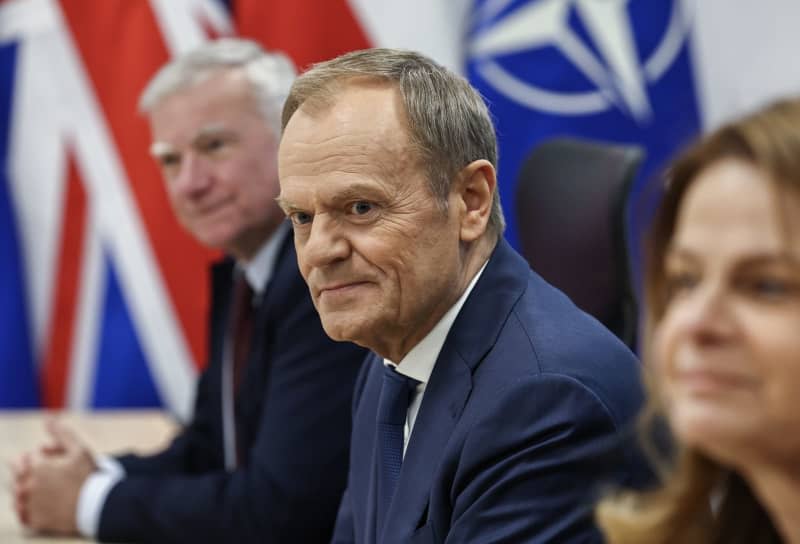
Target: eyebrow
pixel 285 205
pixel 749 261
pixel 160 149
pixel 355 191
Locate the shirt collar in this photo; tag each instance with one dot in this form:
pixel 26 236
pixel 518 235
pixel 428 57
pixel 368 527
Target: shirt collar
pixel 419 362
pixel 259 269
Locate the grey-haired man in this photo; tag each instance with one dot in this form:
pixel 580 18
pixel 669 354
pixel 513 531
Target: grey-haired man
pixel 264 458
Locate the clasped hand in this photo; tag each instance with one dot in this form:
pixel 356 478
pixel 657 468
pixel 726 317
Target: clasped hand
pixel 48 481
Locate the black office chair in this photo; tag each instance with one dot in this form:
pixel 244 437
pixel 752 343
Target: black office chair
pixel 571 199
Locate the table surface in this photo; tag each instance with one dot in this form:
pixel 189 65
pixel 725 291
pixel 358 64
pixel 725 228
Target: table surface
pixel 105 431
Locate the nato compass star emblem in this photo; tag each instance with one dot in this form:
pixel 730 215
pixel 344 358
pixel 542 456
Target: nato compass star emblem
pixel 613 65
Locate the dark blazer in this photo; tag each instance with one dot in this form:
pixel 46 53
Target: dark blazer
pixel 518 423
pixel 293 417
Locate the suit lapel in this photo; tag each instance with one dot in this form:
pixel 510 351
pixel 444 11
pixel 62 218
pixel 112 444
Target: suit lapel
pixel 363 488
pixel 444 399
pixel 472 335
pixel 285 279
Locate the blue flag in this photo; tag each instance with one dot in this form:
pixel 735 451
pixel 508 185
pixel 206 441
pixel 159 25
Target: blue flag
pixel 611 70
pixel 18 383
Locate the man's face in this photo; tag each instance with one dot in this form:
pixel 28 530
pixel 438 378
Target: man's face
pixel 381 258
pixel 218 157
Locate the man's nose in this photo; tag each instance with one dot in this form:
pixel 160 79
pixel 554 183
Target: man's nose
pixel 193 177
pixel 327 242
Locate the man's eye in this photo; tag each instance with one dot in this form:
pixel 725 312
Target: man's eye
pixel 361 207
pixel 213 144
pixel 300 218
pixel 169 161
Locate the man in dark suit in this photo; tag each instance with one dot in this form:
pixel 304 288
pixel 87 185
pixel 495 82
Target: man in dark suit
pixel 264 458
pixel 491 407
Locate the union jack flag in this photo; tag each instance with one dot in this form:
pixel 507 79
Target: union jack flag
pixel 104 296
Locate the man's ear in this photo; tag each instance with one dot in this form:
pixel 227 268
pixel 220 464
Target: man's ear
pixel 474 192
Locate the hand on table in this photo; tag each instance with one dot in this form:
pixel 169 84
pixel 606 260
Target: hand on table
pixel 47 482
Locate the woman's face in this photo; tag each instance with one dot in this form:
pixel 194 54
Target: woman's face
pixel 728 345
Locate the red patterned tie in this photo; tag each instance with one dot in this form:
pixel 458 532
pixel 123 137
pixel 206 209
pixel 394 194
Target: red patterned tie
pixel 240 332
pixel 241 327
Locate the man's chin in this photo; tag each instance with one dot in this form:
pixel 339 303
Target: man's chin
pixel 222 241
pixel 342 328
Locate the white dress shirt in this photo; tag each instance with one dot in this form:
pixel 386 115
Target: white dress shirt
pixel 109 471
pixel 419 362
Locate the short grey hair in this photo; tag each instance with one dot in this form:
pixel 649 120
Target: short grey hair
pixel 449 123
pixel 270 75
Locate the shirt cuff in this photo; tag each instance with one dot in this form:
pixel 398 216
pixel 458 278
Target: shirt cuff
pixel 92 498
pixel 106 463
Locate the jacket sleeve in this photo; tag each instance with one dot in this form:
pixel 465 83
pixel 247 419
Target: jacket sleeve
pixel 291 487
pixel 344 530
pixel 193 450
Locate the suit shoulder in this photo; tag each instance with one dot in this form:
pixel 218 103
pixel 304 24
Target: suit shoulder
pixel 546 334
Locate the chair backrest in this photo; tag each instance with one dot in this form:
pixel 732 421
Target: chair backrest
pixel 571 202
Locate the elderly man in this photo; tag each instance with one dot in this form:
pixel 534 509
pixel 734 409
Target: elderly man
pixel 490 407
pixel 264 458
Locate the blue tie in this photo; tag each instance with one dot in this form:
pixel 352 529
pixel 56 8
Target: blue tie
pixel 396 394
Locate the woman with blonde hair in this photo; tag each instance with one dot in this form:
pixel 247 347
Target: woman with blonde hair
pixel 722 343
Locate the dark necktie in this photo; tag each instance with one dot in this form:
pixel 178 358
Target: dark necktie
pixel 396 394
pixel 240 334
pixel 241 326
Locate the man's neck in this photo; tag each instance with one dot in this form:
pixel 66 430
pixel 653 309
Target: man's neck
pixel 475 257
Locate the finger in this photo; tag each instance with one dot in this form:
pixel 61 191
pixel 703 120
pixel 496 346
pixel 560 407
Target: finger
pixel 21 467
pixel 21 498
pixel 62 435
pixel 56 431
pixel 22 485
pixel 53 443
pixel 21 511
pixel 52 448
pixel 17 468
pixel 20 495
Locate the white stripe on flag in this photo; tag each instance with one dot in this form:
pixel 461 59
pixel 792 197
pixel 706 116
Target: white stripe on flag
pixel 37 163
pixel 88 318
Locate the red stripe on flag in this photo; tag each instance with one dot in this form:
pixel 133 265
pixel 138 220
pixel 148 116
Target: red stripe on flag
pixel 307 30
pixel 122 47
pixel 61 328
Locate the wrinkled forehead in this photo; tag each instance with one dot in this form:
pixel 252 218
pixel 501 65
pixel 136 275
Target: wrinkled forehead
pixel 354 105
pixel 362 128
pixel 318 97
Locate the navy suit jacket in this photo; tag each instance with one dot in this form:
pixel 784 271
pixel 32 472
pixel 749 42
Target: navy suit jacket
pixel 293 419
pixel 518 424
